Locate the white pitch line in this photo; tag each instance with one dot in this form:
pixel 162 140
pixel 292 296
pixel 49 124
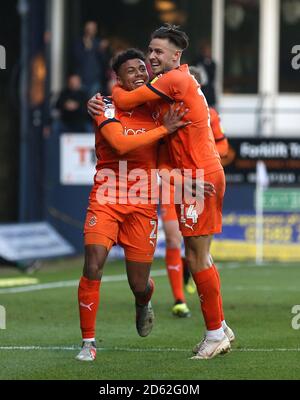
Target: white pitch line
pixel 72 283
pixel 123 277
pixel 137 350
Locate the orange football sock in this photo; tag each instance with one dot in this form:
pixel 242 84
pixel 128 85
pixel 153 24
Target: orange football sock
pixel 220 296
pixel 146 297
pixel 88 301
pixel 208 291
pixel 175 273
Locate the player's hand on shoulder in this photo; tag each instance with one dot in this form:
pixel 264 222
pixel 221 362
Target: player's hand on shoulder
pixel 173 119
pixel 95 105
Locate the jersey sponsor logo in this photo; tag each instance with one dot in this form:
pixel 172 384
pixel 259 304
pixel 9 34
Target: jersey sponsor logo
pixel 130 131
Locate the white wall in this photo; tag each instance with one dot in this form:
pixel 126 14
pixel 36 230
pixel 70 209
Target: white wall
pixel 247 115
pixel 240 117
pixel 287 122
pixel 238 114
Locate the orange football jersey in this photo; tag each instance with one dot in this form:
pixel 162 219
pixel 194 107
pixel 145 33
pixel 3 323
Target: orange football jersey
pixel 133 166
pixel 193 147
pixel 220 138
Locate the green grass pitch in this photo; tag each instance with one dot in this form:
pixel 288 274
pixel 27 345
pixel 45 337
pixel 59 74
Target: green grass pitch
pixel 258 303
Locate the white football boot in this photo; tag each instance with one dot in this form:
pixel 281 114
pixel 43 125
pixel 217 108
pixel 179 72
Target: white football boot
pixel 228 332
pixel 87 352
pixel 209 348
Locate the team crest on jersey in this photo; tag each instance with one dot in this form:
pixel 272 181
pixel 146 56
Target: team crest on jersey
pixel 93 221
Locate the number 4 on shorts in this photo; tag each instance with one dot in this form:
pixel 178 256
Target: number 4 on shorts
pixel 189 213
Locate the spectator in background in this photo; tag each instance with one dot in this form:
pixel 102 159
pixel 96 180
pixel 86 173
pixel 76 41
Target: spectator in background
pixel 71 105
pixel 207 69
pixel 91 57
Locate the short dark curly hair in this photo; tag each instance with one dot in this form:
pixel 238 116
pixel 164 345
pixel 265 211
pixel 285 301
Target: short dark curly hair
pixel 129 54
pixel 173 34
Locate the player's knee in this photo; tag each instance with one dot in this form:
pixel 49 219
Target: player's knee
pixel 94 262
pixel 196 263
pixel 190 262
pixel 173 242
pixel 202 262
pixel 138 287
pixel 92 271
